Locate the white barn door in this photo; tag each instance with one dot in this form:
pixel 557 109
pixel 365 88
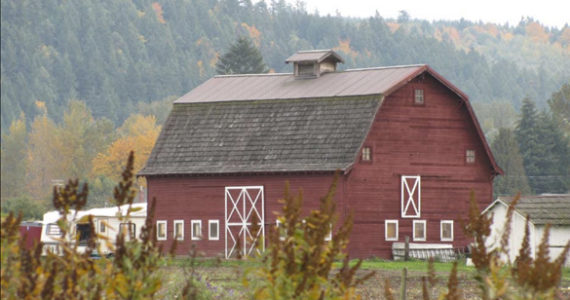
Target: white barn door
pixel 243 203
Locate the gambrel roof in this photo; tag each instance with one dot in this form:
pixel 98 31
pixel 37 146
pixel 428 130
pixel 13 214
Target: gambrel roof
pixel 278 123
pixel 543 209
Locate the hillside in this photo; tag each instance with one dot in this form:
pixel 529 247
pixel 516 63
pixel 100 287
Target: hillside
pixel 116 54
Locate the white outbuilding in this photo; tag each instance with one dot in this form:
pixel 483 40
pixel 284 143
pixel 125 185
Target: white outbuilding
pixel 553 209
pixel 108 221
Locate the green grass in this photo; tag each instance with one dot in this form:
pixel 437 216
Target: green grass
pixel 412 265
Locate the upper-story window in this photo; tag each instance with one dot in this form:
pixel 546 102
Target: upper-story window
pixel 366 154
pixel 419 97
pixel 470 156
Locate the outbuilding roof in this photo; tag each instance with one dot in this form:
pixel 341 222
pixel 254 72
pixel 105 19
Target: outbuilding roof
pixel 543 209
pixel 279 123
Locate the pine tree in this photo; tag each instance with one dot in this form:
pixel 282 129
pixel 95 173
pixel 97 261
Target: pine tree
pixel 544 149
pixel 506 151
pixel 527 135
pixel 559 104
pixel 242 58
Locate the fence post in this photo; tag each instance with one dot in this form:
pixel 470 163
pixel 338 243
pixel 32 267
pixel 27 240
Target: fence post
pixel 407 248
pixel 403 284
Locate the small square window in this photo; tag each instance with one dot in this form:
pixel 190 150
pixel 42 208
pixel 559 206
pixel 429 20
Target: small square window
pixel 447 230
pixel 391 230
pixel 419 230
pixel 213 230
pixel 196 230
pixel 366 154
pixel 53 229
pixel 161 230
pixel 470 156
pixel 178 230
pixel 419 97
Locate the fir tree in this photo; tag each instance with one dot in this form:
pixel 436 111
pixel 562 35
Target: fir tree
pixel 242 58
pixel 506 151
pixel 528 140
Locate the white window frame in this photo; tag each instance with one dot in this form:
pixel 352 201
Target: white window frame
pixel 366 154
pixel 196 237
pixel 277 227
pixel 174 236
pixel 441 230
pixel 210 236
pixel 56 231
pixel 419 95
pixel 386 222
pixel 407 205
pixel 470 156
pixel 328 237
pixel 158 237
pixel 419 239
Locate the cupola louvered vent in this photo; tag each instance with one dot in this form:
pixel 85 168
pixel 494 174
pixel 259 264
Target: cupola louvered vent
pixel 314 63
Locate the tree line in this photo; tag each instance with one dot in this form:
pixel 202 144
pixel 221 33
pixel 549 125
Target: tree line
pixel 116 54
pixel 535 154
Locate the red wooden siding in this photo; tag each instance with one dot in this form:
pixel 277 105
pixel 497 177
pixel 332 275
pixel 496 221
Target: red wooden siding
pixel 429 140
pixel 202 198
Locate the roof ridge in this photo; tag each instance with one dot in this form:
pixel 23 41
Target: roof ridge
pixel 385 67
pixel 252 75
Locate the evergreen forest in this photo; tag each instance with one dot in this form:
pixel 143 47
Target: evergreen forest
pixel 83 82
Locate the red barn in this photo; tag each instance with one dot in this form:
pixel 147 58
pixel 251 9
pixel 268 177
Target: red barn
pixel 406 141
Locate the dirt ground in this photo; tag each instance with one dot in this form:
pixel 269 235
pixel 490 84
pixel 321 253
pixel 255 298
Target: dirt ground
pixel 225 283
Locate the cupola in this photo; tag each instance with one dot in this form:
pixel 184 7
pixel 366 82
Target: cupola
pixel 314 63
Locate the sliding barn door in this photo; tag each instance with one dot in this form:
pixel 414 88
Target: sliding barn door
pixel 244 204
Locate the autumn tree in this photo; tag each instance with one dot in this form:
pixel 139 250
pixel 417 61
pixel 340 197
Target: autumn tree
pixel 14 159
pixel 139 133
pixel 242 58
pixel 45 155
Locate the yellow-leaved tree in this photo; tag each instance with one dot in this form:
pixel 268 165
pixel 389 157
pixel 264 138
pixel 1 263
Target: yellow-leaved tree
pixel 139 133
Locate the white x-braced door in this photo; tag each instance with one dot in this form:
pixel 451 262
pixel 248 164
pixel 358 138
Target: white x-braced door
pixel 411 196
pixel 243 204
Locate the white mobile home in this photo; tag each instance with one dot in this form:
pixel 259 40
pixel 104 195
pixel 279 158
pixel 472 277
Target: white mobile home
pixel 553 209
pixel 106 220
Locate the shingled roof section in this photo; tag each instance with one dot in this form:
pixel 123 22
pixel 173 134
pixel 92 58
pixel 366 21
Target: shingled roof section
pixel 551 209
pixel 321 134
pixel 314 56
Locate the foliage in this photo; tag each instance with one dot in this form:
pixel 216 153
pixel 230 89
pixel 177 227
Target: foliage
pixel 74 275
pixel 506 151
pixel 116 54
pixel 544 150
pixel 30 210
pixel 13 159
pixel 559 104
pixel 299 259
pixel 138 132
pixel 242 58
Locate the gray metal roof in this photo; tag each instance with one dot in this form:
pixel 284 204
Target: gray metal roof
pixel 551 209
pixel 357 82
pixel 290 135
pixel 316 56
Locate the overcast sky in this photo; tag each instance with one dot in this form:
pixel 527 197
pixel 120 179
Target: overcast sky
pixel 552 13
